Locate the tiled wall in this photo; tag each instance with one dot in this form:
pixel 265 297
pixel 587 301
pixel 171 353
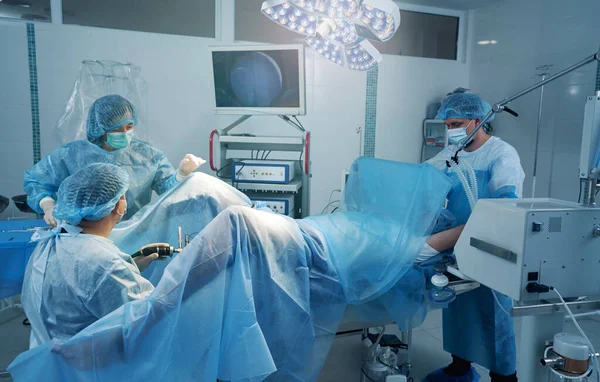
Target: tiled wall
pixel 371 113
pixel 33 89
pixel 16 151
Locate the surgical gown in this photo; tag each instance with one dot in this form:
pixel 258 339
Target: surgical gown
pixel 475 327
pixel 257 295
pixel 74 279
pixel 148 169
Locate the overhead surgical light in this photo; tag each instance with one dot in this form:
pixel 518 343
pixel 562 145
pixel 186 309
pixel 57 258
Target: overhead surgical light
pixel 339 30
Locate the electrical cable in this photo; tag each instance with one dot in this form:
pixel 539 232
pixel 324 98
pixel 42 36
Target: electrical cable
pixel 365 374
pixel 299 123
pixel 327 206
pixel 222 168
pixel 331 194
pixel 498 302
pixel 288 120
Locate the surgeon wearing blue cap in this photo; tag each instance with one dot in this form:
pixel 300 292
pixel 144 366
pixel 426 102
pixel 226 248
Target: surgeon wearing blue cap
pixel 110 129
pixel 477 328
pixel 76 275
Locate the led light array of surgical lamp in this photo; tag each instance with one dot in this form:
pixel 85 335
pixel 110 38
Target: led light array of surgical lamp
pixel 339 30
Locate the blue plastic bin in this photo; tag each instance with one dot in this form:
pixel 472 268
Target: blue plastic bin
pixel 15 251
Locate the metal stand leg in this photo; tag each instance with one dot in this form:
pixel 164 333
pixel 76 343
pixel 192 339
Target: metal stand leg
pixel 406 338
pixel 536 330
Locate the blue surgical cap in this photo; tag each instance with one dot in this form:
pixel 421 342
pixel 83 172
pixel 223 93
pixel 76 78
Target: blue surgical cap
pixel 91 193
pixel 109 113
pixel 464 105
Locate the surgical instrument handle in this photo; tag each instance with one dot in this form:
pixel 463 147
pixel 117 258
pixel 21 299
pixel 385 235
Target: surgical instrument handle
pixel 163 251
pixel 501 106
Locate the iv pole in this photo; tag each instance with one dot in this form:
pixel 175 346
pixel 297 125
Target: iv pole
pixel 502 106
pixel 543 75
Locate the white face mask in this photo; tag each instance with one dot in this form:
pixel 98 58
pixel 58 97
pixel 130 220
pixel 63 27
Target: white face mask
pixel 457 135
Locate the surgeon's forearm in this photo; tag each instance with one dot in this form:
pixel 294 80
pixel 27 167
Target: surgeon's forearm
pixel 445 240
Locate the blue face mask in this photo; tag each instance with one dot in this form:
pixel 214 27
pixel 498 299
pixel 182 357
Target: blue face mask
pixel 119 140
pixel 457 135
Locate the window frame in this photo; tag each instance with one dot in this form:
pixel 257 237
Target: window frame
pixel 461 41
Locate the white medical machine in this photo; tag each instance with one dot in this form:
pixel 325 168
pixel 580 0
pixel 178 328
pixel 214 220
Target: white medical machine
pixel 530 249
pixel 510 245
pixel 262 171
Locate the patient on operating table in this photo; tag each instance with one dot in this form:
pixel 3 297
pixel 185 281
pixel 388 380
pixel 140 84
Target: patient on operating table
pixel 254 295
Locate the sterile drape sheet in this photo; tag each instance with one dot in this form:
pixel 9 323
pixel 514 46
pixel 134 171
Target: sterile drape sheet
pixel 259 296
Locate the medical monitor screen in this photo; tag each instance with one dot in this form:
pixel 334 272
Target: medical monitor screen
pixel 254 81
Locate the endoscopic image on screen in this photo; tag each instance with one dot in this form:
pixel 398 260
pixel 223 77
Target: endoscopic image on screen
pixel 262 79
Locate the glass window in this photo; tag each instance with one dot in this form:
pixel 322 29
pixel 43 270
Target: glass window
pixel 252 25
pixel 420 34
pixel 30 10
pixel 180 17
pixel 424 35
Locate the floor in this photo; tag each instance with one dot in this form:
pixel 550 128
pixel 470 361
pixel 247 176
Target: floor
pixel 344 360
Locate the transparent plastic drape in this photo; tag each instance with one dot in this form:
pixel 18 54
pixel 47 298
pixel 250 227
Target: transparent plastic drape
pixel 96 79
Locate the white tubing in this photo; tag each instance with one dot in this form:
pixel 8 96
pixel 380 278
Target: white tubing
pixel 465 184
pixel 472 178
pixel 470 175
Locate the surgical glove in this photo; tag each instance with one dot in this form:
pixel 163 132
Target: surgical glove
pixel 188 164
pixel 47 205
pixel 143 262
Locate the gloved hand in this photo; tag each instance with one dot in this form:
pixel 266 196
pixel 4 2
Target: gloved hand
pixel 143 262
pixel 188 164
pixel 47 205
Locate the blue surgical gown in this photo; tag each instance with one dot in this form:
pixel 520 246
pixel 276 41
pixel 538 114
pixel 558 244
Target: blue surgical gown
pixel 148 168
pixel 475 327
pixel 73 280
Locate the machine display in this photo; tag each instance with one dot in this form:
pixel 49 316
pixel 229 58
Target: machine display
pixel 259 80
